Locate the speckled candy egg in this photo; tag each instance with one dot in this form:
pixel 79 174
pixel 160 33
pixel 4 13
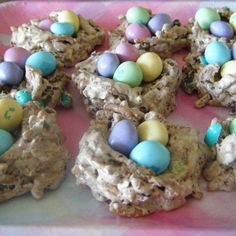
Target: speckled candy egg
pixel 107 64
pixel 229 68
pixel 127 52
pixel 44 61
pixel 213 134
pixel 221 28
pixel 70 17
pixel 205 16
pixel 123 137
pixel 6 141
pixel 22 96
pixel 157 22
pixel 10 73
pixel 137 31
pixel 217 53
pixel 152 155
pixel 16 55
pixel 232 21
pixel 137 14
pixel 45 24
pixel 11 114
pixel 151 66
pixel 129 73
pixel 62 28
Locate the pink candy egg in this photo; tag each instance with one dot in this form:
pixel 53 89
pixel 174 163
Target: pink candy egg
pixel 127 52
pixel 45 24
pixel 137 31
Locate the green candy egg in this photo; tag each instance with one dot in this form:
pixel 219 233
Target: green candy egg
pixel 66 100
pixel 212 134
pixel 205 16
pixel 137 15
pixel 232 126
pixel 129 73
pixel 22 97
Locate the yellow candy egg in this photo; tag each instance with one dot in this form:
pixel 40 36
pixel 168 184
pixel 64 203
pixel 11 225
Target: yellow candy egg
pixel 151 65
pixel 232 21
pixel 11 114
pixel 153 130
pixel 229 68
pixel 70 17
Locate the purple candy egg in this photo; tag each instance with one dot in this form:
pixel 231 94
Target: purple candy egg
pixel 137 31
pixel 157 22
pixel 10 73
pixel 233 51
pixel 45 24
pixel 127 52
pixel 17 55
pixel 221 28
pixel 123 137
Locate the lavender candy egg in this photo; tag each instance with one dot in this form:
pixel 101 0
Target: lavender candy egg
pixel 10 73
pixel 127 52
pixel 221 28
pixel 137 31
pixel 157 22
pixel 123 137
pixel 17 55
pixel 45 24
pixel 233 50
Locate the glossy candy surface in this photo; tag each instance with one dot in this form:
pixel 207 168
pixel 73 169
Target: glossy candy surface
pixel 62 28
pixel 229 68
pixel 232 21
pixel 221 28
pixel 213 134
pixel 234 51
pixel 22 96
pixel 70 17
pixel 127 52
pixel 45 24
pixel 137 14
pixel 6 141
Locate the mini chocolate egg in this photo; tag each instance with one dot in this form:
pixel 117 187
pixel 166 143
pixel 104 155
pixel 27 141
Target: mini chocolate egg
pixel 157 22
pixel 205 16
pixel 11 114
pixel 232 126
pixel 10 73
pixel 62 28
pixel 107 64
pixel 151 66
pixel 17 55
pixel 6 141
pixel 221 28
pixel 45 24
pixel 202 59
pixel 137 14
pixel 127 52
pixel 213 134
pixel 217 53
pixel 66 100
pixel 152 155
pixel 129 73
pixel 229 68
pixel 22 96
pixel 232 21
pixel 123 137
pixel 153 130
pixel 137 31
pixel 44 61
pixel 70 17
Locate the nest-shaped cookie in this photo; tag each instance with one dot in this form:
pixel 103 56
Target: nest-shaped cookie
pixel 37 160
pixel 68 50
pixel 130 189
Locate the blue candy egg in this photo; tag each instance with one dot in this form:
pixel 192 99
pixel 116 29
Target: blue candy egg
pixel 6 141
pixel 62 28
pixel 203 60
pixel 44 61
pixel 213 134
pixel 221 28
pixel 123 137
pixel 217 53
pixel 107 64
pixel 22 96
pixel 152 155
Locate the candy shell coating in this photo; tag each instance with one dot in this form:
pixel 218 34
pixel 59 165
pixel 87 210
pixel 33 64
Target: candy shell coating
pixel 6 141
pixel 212 134
pixel 127 52
pixel 62 28
pixel 137 14
pixel 152 155
pixel 70 17
pixel 22 97
pixel 221 28
pixel 232 126
pixel 45 24
pixel 232 21
pixel 233 49
pixel 203 60
pixel 229 68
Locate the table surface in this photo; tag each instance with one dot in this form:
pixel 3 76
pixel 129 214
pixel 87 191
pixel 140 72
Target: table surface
pixel 70 210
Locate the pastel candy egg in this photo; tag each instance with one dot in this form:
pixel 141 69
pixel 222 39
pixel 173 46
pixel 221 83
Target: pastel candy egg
pixel 217 53
pixel 234 51
pixel 17 55
pixel 22 96
pixel 137 14
pixel 127 52
pixel 152 155
pixel 45 24
pixel 151 66
pixel 232 126
pixel 229 68
pixel 129 73
pixel 70 17
pixel 44 61
pixel 62 28
pixel 221 28
pixel 11 114
pixel 6 141
pixel 153 130
pixel 213 134
pixel 232 21
pixel 123 137
pixel 137 31
pixel 157 22
pixel 203 60
pixel 205 16
pixel 10 73
pixel 107 64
